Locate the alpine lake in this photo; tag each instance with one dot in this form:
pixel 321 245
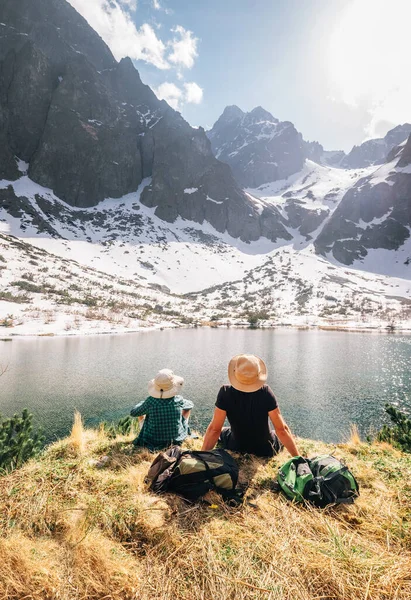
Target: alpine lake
pixel 323 380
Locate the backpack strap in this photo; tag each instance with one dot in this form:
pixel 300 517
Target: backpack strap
pixel 197 477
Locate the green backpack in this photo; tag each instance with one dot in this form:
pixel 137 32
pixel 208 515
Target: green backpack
pixel 321 480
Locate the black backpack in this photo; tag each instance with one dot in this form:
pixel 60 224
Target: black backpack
pixel 192 473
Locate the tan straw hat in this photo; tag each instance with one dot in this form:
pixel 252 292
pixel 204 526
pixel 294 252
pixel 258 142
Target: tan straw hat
pixel 247 373
pixel 165 384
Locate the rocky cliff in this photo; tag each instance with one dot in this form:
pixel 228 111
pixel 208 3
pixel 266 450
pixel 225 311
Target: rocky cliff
pixel 315 151
pixel 90 129
pixel 374 214
pixel 257 146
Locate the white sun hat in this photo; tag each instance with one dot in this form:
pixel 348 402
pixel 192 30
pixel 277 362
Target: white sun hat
pixel 165 384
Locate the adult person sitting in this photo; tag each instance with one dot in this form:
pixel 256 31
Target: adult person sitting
pixel 251 409
pixel 165 413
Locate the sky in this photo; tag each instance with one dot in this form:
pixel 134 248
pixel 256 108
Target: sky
pixel 338 69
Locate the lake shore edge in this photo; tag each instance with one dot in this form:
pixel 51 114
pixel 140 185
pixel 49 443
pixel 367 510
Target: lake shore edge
pixel 351 327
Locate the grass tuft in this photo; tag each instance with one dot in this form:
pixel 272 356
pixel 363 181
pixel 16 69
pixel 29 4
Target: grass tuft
pixel 355 438
pixel 77 434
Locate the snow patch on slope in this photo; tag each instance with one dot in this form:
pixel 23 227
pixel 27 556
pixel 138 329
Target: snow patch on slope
pixel 123 238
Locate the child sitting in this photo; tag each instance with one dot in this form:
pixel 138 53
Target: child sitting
pixel 166 413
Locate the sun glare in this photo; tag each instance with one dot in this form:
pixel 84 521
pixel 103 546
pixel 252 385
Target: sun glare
pixel 370 61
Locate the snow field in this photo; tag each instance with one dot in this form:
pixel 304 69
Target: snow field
pixel 116 251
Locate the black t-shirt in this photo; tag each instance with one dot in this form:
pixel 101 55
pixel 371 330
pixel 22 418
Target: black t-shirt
pixel 247 413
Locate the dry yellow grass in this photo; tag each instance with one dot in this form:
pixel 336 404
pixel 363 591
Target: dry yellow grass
pixel 77 434
pixel 70 531
pixel 355 438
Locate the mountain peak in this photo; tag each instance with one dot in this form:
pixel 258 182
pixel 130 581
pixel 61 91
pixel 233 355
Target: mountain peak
pixel 232 113
pixel 400 128
pixel 397 135
pixel 376 151
pixel 126 63
pixel 258 148
pixel 259 113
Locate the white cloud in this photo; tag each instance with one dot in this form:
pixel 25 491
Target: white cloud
pixel 170 93
pixel 131 4
pixel 370 61
pixel 193 93
pixel 177 97
pixel 115 25
pixel 113 22
pixel 184 48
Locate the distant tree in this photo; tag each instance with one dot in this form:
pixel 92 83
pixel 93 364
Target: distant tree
pixel 253 321
pixel 255 317
pixel 216 317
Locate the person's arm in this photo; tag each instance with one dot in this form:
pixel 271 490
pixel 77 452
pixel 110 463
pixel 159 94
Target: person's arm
pixel 283 432
pixel 140 409
pixel 214 429
pixel 186 407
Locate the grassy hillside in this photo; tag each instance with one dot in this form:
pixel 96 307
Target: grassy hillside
pixel 73 531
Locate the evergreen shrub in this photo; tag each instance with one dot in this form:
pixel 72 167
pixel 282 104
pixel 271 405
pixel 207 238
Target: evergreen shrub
pixel 18 441
pixel 399 435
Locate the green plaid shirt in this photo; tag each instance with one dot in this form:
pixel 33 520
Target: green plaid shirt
pixel 164 423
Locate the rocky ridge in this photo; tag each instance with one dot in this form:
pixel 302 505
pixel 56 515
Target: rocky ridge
pixel 376 151
pixel 315 151
pixel 306 199
pixel 374 214
pixel 260 149
pixel 257 146
pixel 89 129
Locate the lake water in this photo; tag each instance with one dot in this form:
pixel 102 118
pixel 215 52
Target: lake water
pixel 323 380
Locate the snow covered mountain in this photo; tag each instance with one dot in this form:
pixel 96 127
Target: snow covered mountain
pixel 114 213
pixel 315 151
pixel 295 287
pixel 136 269
pixel 376 151
pixel 89 129
pixel 258 147
pixel 369 153
pixel 374 217
pixel 306 199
